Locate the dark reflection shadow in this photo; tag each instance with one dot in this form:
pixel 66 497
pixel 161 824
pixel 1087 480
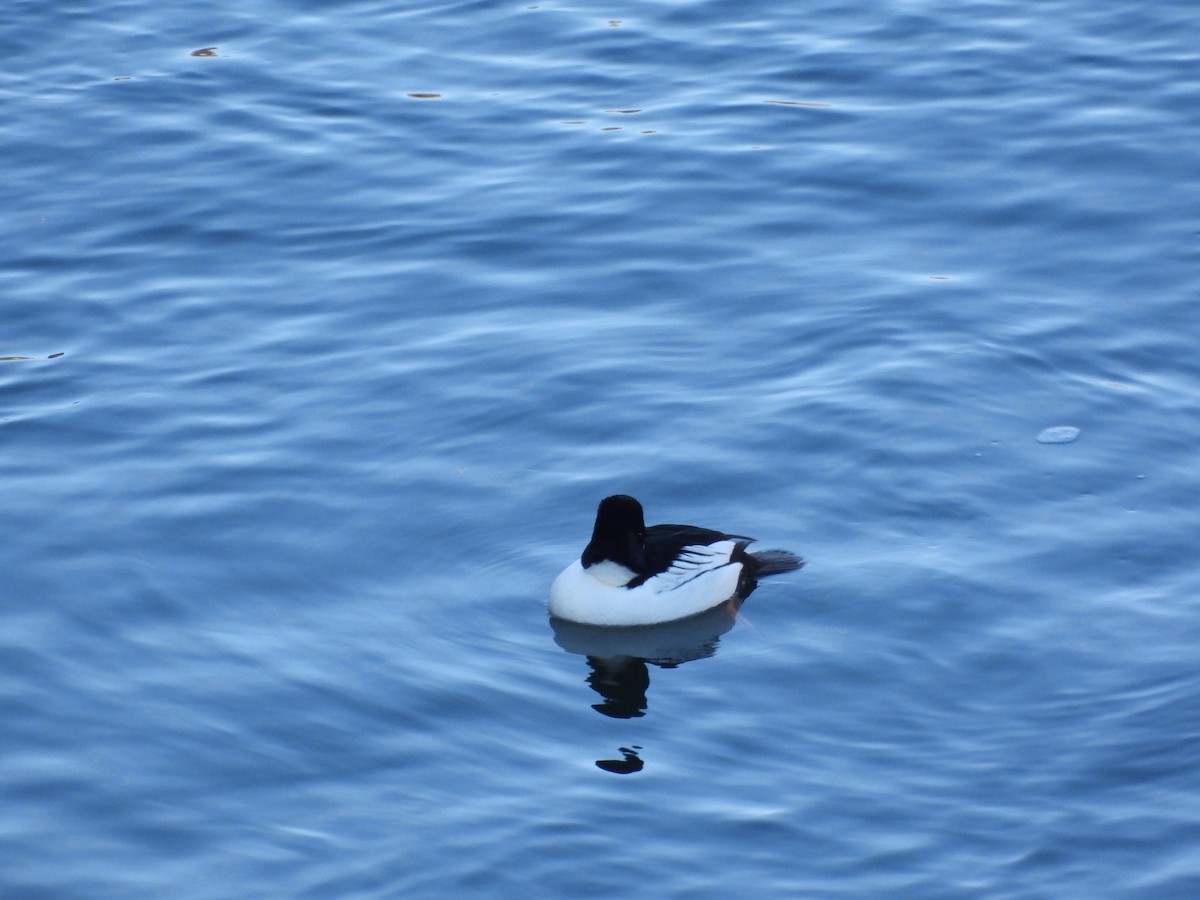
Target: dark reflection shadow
pixel 619 661
pixel 629 764
pixel 622 682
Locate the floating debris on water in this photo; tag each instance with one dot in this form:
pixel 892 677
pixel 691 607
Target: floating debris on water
pixel 14 358
pixel 1059 434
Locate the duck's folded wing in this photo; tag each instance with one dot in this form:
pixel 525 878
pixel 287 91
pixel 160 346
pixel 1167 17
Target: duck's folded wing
pixel 693 562
pixel 664 544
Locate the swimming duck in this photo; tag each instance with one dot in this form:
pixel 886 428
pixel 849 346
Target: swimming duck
pixel 633 575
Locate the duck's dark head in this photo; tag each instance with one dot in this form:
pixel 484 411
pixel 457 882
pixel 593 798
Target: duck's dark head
pixel 619 535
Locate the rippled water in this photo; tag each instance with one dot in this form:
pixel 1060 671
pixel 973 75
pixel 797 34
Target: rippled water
pixel 327 325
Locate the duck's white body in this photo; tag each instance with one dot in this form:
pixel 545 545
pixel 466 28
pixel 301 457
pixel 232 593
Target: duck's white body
pixel 701 578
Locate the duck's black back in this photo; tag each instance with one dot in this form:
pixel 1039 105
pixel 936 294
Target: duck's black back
pixel 664 542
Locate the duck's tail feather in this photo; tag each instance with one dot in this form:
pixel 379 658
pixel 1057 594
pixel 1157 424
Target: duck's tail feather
pixel 772 562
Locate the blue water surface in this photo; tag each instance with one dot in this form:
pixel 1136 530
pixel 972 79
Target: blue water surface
pixel 326 325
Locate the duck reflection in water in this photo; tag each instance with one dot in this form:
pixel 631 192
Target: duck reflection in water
pixel 619 661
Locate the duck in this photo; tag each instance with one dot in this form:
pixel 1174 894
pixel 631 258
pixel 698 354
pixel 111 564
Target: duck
pixel 629 574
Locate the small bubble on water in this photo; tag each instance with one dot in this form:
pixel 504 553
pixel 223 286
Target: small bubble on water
pixel 1059 434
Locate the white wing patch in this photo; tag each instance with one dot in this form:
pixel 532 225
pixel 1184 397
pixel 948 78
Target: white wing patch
pixel 693 561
